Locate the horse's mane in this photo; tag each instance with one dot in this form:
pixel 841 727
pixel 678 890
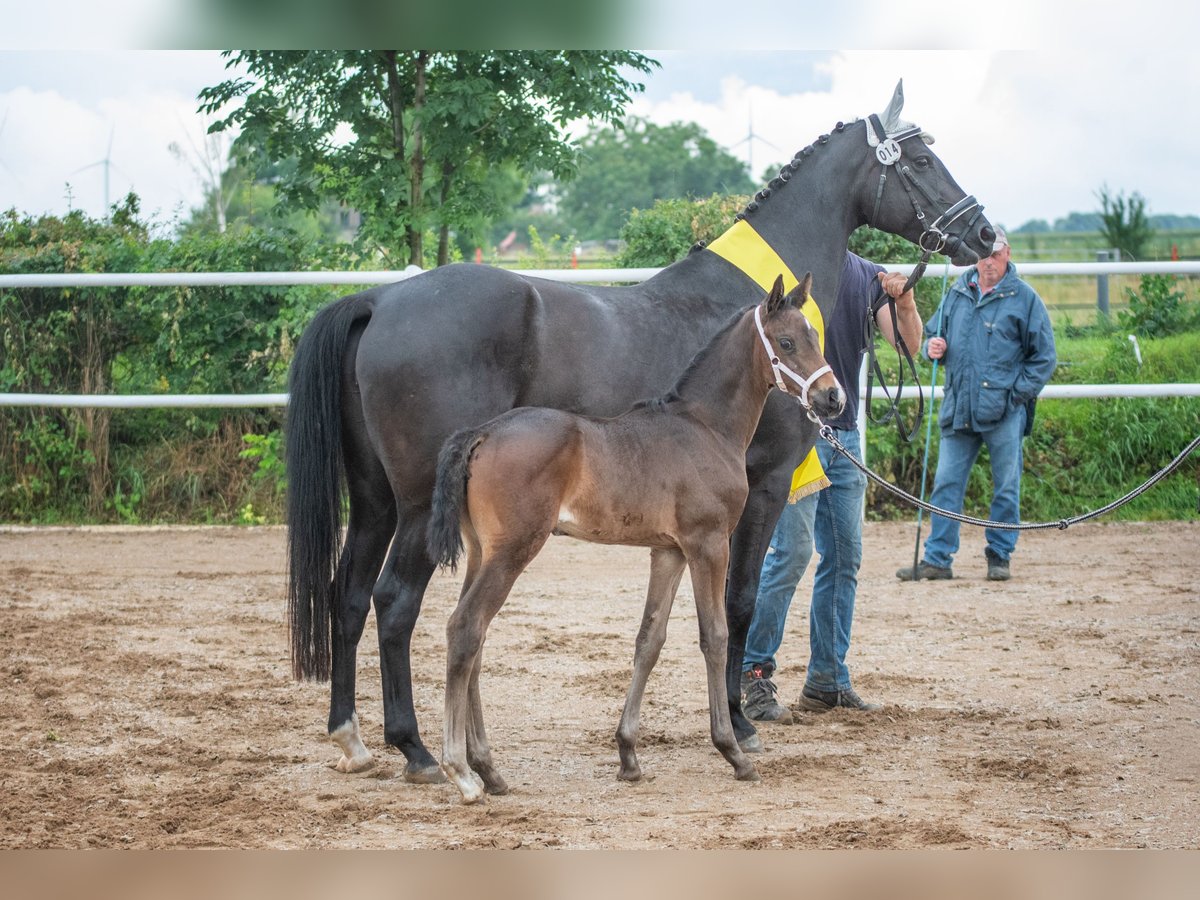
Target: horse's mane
pixel 790 168
pixel 672 395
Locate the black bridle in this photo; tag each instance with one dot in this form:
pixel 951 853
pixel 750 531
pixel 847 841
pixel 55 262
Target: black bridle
pixel 935 238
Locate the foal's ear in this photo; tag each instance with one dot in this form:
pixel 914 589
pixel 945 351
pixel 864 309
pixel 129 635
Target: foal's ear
pixel 802 292
pixel 775 299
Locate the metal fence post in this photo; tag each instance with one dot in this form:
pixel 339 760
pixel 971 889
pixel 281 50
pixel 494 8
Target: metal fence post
pixel 1102 287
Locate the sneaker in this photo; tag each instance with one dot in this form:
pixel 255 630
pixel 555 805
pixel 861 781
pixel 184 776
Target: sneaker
pixel 925 570
pixel 758 698
pixel 997 567
pixel 822 701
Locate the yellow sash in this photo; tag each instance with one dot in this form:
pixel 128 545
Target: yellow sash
pixel 745 249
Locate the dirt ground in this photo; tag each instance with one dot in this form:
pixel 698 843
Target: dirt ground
pixel 148 704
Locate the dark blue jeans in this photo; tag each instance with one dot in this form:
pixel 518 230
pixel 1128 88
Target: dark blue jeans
pixel 832 520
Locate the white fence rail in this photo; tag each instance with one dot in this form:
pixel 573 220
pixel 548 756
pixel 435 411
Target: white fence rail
pixel 624 276
pixel 616 276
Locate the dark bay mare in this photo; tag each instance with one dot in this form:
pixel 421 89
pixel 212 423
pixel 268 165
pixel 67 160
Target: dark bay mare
pixel 668 474
pixel 381 378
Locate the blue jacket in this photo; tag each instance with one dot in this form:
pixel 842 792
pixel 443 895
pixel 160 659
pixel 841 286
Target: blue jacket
pixel 999 350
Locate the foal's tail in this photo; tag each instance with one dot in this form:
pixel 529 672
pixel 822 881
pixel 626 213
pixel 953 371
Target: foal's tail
pixel 444 535
pixel 316 482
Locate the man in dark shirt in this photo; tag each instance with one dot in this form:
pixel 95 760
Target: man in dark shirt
pixel 831 517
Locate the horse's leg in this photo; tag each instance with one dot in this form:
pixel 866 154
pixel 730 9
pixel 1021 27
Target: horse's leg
pixel 708 564
pixel 666 570
pixel 773 455
pixel 366 543
pixel 465 632
pixel 398 594
pixel 371 524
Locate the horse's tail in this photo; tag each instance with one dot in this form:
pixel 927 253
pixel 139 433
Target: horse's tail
pixel 316 482
pixel 443 537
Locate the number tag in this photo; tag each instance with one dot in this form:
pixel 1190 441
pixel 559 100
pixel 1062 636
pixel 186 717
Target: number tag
pixel 888 152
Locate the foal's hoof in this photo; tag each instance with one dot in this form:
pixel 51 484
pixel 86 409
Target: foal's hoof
pixel 355 764
pixel 749 774
pixel 495 785
pixel 431 774
pixel 751 744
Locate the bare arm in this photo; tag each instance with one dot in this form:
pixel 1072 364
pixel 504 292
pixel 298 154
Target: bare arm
pixel 906 312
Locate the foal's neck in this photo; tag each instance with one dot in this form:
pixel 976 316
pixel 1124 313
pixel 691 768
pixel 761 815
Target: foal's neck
pixel 726 385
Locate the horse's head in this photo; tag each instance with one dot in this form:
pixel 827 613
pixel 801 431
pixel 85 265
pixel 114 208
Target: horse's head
pixel 794 361
pixel 908 190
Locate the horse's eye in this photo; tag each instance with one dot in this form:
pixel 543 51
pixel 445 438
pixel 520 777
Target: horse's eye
pixel 787 345
pixel 922 162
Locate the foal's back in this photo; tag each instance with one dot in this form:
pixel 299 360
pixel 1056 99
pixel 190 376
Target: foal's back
pixel 644 478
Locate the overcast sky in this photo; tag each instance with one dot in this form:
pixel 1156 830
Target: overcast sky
pixel 1033 132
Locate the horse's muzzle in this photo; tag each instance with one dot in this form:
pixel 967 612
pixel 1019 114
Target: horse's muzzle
pixel 967 249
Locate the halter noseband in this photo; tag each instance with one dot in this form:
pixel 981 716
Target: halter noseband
pixel 779 369
pixel 935 237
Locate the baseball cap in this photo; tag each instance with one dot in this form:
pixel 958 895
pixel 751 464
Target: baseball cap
pixel 1001 238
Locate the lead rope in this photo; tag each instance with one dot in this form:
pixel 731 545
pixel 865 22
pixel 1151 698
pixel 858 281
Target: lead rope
pixel 827 433
pixel 937 332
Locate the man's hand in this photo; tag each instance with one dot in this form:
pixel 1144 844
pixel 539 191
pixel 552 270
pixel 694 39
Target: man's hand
pixel 936 348
pixel 893 284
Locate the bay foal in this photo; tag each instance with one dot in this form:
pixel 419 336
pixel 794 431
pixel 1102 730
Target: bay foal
pixel 669 474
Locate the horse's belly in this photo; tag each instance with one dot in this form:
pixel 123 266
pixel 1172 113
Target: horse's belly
pixel 629 529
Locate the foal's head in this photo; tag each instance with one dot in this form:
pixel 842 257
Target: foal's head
pixel 796 365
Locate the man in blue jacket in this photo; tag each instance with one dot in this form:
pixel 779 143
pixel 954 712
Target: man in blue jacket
pixel 993 335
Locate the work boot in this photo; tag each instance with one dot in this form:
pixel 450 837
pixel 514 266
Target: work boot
pixel 758 697
pixel 815 700
pixel 925 570
pixel 997 567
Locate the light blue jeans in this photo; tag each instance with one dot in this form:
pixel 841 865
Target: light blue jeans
pixel 832 520
pixel 957 453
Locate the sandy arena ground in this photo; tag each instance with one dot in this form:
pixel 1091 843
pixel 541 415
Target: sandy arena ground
pixel 148 704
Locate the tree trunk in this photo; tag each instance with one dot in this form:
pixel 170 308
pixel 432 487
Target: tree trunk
pixel 416 166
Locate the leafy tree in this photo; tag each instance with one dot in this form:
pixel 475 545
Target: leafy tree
pixel 1124 223
pixel 628 168
pixel 408 137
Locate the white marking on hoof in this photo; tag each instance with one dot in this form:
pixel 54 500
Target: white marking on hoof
pixel 469 785
pixel 355 755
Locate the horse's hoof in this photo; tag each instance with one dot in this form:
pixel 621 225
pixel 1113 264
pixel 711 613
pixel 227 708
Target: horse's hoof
pixel 750 774
pixel 751 744
pixel 633 776
pixel 424 774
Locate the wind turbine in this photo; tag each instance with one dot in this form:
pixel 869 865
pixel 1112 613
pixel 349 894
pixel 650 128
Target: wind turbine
pixel 108 165
pixel 748 140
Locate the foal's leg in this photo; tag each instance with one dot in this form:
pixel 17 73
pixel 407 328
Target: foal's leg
pixel 398 594
pixel 464 644
pixel 708 564
pixel 666 570
pixel 479 753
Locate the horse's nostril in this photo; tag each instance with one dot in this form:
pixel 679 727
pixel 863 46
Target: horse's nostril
pixel 986 235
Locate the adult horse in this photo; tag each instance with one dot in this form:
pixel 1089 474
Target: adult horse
pixel 381 378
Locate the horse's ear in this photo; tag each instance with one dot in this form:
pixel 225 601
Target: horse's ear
pixel 890 117
pixel 802 292
pixel 775 299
